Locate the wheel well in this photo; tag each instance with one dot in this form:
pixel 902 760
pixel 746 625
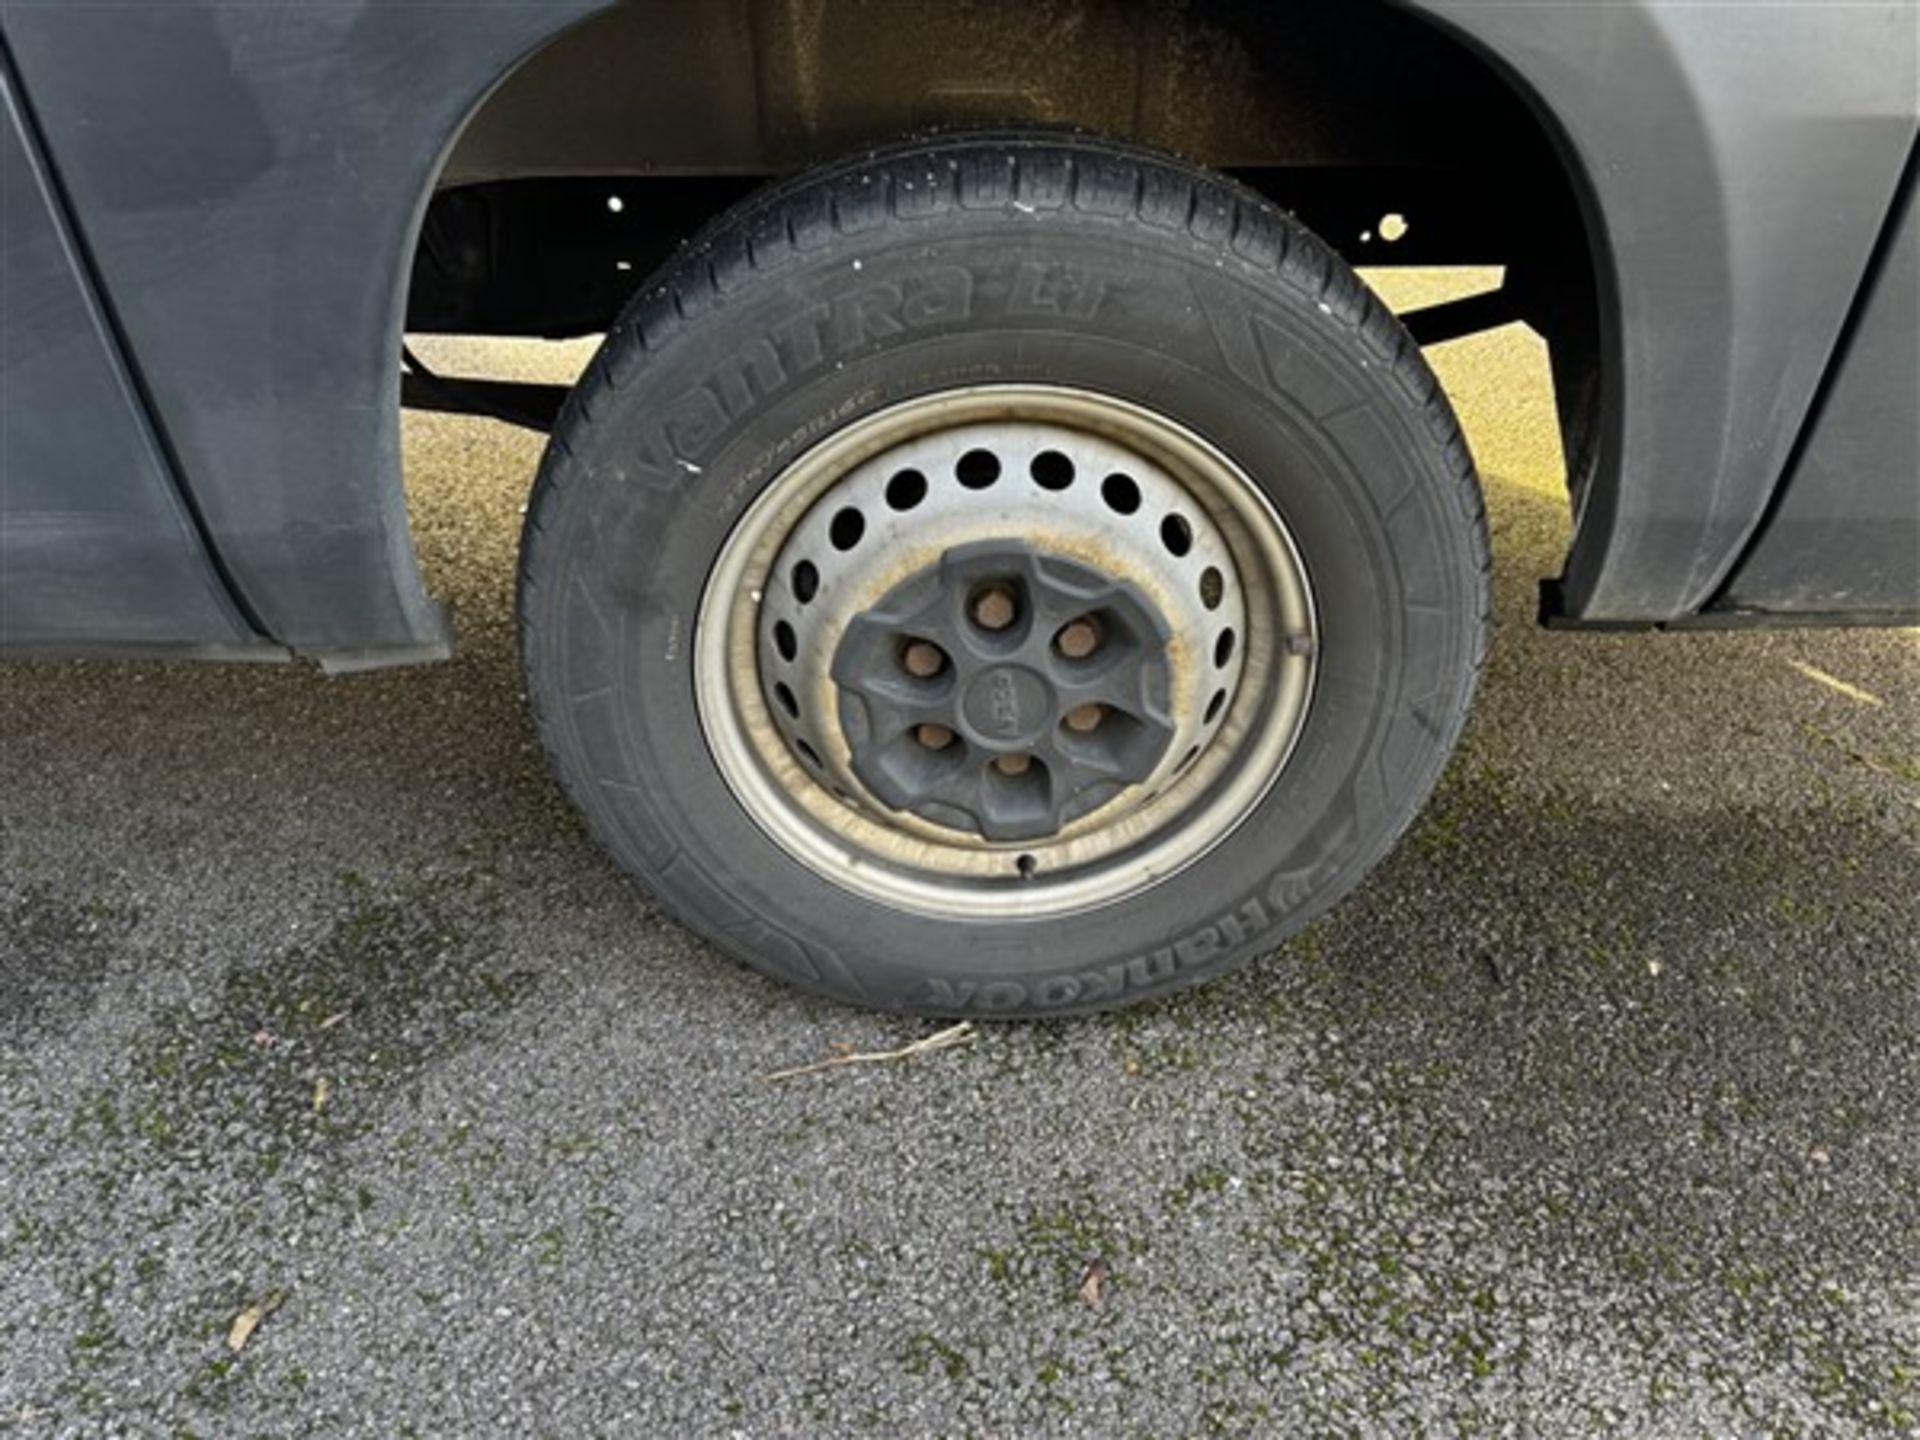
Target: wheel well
pixel 605 149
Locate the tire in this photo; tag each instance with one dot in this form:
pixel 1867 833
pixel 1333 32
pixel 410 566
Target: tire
pixel 993 266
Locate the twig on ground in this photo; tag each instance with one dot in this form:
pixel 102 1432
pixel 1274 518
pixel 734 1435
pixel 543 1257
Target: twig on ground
pixel 248 1320
pixel 1093 1283
pixel 1836 684
pixel 961 1034
pixel 1879 767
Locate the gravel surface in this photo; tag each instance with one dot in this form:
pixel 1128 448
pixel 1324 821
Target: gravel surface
pixel 1595 1111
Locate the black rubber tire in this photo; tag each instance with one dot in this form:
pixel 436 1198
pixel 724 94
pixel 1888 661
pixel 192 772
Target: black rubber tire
pixel 1053 259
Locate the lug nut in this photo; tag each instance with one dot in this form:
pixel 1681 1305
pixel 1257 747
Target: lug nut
pixel 993 607
pixel 1013 764
pixel 922 658
pixel 934 737
pixel 1078 638
pixel 1083 718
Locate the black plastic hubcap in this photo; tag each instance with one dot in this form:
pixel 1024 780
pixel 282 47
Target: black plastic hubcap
pixel 1005 691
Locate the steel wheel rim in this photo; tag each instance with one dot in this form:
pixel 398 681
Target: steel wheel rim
pixel 812 804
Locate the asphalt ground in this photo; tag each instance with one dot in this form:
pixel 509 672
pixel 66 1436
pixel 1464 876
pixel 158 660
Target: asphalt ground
pixel 1595 1111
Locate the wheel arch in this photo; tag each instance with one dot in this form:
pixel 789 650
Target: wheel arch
pixel 782 88
pixel 249 182
pixel 1729 263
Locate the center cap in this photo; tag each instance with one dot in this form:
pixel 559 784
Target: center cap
pixel 1007 705
pixel 1005 690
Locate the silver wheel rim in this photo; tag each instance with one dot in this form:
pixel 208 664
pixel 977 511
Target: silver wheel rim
pixel 1193 541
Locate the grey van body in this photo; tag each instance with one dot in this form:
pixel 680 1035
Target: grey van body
pixel 213 219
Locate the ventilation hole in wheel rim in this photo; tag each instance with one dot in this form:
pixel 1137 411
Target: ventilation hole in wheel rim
pixel 1215 706
pixel 1026 865
pixel 1223 648
pixel 1213 588
pixel 847 527
pixel 977 469
pixel 1051 470
pixel 1176 534
pixel 906 489
pixel 806 581
pixel 807 752
pixel 1121 492
pixel 1187 759
pixel 787 702
pixel 784 640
